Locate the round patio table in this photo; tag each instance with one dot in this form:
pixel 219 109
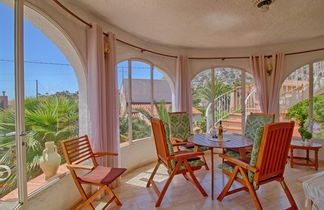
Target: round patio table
pixel 230 141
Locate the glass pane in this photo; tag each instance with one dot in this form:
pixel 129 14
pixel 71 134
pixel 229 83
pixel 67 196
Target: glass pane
pixel 294 98
pixel 162 96
pixel 201 101
pixel 227 100
pixel 318 126
pixel 51 106
pixel 8 179
pixel 122 68
pixel 141 100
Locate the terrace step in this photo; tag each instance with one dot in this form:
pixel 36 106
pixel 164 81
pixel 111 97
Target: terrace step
pixel 235 116
pixel 232 122
pixel 233 129
pixel 253 110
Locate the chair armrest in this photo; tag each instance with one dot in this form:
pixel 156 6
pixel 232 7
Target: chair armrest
pixel 76 166
pixel 239 163
pixel 100 154
pixel 178 139
pixel 186 155
pixel 179 144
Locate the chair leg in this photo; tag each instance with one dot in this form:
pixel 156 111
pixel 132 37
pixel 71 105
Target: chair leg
pixel 84 195
pixel 288 194
pixel 113 195
pixel 206 165
pixel 185 176
pixel 153 174
pixel 196 182
pixel 228 185
pixel 91 198
pixel 251 189
pixel 158 202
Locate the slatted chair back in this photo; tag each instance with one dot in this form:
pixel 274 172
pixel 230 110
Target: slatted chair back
pixel 273 152
pixel 78 150
pixel 161 146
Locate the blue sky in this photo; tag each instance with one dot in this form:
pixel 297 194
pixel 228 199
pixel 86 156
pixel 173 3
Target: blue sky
pixel 51 78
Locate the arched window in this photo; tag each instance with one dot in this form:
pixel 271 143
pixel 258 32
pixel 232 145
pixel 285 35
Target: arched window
pixel 149 95
pixel 217 95
pixel 49 110
pixel 302 99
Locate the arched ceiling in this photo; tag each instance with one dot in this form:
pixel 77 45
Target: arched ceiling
pixel 212 23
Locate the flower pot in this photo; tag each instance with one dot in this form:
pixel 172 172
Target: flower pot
pixel 50 161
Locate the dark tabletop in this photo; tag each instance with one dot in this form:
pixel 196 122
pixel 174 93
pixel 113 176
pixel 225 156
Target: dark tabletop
pixel 234 141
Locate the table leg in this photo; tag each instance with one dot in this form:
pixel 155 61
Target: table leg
pixel 316 159
pixel 242 152
pixel 212 171
pixel 291 157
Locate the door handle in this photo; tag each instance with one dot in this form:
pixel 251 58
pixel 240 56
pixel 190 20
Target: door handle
pixel 23 133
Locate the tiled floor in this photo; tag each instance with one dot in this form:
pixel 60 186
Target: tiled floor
pixel 183 195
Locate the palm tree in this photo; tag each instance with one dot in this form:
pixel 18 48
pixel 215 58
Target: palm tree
pixel 48 118
pixel 203 94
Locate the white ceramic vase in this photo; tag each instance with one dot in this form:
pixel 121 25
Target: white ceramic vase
pixel 50 161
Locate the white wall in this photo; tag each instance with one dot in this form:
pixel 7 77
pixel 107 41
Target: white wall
pixel 138 153
pixel 60 195
pixel 63 194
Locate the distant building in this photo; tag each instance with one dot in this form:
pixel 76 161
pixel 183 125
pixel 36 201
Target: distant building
pixel 3 101
pixel 141 96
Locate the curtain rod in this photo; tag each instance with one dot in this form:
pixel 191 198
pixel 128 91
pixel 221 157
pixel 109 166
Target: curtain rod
pixel 167 55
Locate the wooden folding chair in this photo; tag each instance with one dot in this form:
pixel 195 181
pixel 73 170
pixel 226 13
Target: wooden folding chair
pixel 176 163
pixel 78 150
pixel 254 121
pixel 267 164
pixel 180 132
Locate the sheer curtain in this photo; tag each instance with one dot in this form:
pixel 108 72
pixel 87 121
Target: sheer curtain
pixel 268 73
pixel 103 95
pixel 183 87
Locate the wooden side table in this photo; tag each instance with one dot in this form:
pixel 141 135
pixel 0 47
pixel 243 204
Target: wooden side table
pixel 308 162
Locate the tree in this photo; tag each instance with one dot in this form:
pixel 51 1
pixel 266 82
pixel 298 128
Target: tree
pixel 47 118
pixel 203 94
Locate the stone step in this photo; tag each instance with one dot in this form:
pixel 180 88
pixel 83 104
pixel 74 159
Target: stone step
pixel 252 110
pixel 233 129
pixel 232 122
pixel 235 116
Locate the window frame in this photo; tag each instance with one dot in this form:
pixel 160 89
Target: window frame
pixel 153 67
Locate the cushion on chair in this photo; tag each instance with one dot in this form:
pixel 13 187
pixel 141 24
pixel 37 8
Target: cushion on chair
pixel 232 154
pixel 229 166
pixel 167 133
pixel 255 151
pixel 253 123
pixel 190 148
pixel 192 162
pixel 102 175
pixel 180 125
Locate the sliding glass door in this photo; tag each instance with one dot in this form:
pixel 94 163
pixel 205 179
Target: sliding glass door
pixel 12 144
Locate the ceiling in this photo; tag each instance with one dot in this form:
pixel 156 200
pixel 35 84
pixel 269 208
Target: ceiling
pixel 212 23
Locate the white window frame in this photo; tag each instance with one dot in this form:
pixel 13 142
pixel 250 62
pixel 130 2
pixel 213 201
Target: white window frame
pixel 129 99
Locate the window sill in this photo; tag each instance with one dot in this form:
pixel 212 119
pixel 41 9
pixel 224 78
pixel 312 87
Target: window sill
pixel 125 144
pixel 37 185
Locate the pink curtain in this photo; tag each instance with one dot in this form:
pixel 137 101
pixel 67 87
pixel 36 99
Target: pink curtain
pixel 268 74
pixel 102 95
pixel 182 87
